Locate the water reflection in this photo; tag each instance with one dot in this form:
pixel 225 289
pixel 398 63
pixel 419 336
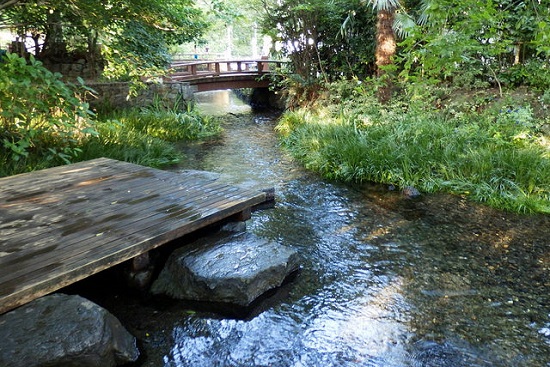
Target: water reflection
pixel 384 282
pixel 220 103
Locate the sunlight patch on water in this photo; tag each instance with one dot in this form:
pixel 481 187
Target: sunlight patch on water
pixel 369 329
pixel 219 103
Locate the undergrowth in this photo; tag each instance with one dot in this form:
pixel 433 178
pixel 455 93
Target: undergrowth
pixel 145 135
pixel 492 150
pixel 45 122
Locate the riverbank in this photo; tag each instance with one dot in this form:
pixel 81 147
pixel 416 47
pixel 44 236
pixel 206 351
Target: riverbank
pixel 146 136
pixel 492 149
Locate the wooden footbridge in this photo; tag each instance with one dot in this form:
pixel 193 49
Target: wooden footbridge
pixel 63 224
pixel 216 75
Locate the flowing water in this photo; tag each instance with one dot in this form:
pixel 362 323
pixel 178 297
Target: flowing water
pixel 385 281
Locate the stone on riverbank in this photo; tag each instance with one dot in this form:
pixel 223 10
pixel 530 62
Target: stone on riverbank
pixel 62 330
pixel 235 269
pixel 410 192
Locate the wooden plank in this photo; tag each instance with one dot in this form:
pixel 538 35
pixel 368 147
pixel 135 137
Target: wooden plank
pixel 95 208
pixel 90 232
pixel 105 260
pixel 63 224
pixel 148 221
pixel 105 254
pixel 153 219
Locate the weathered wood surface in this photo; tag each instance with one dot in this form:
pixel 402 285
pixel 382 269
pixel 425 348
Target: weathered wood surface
pixel 63 224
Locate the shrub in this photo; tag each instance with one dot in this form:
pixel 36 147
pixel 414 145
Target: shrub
pixel 39 113
pixel 496 156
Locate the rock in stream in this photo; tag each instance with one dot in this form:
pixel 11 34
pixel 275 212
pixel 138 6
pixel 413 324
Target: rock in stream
pixel 235 269
pixel 62 330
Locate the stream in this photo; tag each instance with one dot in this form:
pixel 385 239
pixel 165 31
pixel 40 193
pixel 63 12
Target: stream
pixel 385 281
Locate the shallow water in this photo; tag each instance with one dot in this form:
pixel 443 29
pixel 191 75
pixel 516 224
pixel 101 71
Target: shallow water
pixel 385 281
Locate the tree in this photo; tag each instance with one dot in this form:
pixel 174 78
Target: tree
pixel 132 33
pixel 386 46
pixel 307 30
pixel 310 34
pixel 231 28
pixel 472 41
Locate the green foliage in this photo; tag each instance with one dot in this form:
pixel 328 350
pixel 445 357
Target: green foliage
pixel 39 114
pixel 534 73
pixel 132 36
pixel 232 30
pixel 312 35
pixel 145 136
pixel 44 123
pixel 496 156
pixel 466 44
pixel 137 44
pixel 470 42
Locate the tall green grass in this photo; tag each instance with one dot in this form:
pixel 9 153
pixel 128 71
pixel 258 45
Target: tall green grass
pixel 118 141
pixel 169 124
pixel 145 135
pixel 495 157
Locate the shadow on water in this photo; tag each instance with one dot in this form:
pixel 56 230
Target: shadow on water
pixel 385 281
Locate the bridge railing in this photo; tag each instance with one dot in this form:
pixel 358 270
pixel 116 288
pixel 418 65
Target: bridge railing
pixel 213 68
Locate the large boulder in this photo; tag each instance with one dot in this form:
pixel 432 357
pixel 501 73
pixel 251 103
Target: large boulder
pixel 64 331
pixel 234 269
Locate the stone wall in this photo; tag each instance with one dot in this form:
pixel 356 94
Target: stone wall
pixel 115 95
pixel 72 70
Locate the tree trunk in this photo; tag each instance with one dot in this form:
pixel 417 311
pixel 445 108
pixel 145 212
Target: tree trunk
pixel 54 47
pixel 385 51
pixel 517 53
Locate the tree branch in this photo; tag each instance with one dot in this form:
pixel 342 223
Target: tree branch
pixel 6 3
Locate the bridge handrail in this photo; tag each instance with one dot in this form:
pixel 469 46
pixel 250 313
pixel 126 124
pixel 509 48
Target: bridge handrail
pixel 192 68
pixel 199 62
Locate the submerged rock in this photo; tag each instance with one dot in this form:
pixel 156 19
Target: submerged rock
pixel 62 330
pixel 410 192
pixel 236 269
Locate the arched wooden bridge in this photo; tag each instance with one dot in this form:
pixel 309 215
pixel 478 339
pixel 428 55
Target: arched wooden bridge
pixel 210 75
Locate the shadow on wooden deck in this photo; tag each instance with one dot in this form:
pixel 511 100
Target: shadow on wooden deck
pixel 63 224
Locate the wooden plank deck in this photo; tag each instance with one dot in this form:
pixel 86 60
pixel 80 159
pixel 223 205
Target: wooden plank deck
pixel 63 224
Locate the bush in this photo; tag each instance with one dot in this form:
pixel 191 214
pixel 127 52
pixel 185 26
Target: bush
pixel 44 123
pixel 40 115
pixel 534 73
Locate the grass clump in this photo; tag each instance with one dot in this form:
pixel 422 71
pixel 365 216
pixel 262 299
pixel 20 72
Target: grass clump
pixel 493 151
pixel 146 135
